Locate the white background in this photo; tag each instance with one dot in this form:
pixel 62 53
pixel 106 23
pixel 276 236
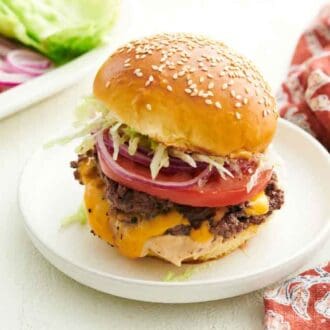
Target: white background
pixel 33 294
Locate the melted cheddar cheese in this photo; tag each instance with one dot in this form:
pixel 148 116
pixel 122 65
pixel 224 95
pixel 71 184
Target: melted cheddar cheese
pixel 258 205
pixel 202 234
pixel 131 238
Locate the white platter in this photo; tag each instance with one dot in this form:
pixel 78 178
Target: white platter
pixel 20 97
pixel 48 193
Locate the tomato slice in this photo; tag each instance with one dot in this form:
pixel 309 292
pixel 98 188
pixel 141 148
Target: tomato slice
pixel 216 192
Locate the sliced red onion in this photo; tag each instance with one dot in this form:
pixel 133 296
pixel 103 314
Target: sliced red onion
pixel 141 157
pixel 12 79
pixel 6 46
pixel 107 161
pixel 27 61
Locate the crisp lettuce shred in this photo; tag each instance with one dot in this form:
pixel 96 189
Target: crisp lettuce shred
pixel 92 117
pixel 80 216
pixel 183 275
pixel 183 156
pixel 60 29
pixel 133 144
pixel 217 162
pixel 116 139
pixel 160 159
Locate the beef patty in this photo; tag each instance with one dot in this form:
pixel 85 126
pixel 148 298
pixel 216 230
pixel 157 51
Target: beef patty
pixel 136 204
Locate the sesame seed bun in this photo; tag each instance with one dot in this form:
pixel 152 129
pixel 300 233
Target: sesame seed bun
pixel 189 92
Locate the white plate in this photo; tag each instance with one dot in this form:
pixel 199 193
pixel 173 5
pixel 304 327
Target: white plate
pixel 19 97
pixel 47 193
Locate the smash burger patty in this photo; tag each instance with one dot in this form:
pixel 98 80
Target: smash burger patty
pixel 136 204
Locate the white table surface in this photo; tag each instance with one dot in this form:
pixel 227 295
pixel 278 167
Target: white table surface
pixel 35 295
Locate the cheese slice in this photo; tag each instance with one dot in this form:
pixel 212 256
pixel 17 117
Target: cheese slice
pixel 202 234
pixel 258 205
pixel 130 238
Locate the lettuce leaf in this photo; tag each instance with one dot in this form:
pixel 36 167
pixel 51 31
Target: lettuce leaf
pixel 80 216
pixel 60 29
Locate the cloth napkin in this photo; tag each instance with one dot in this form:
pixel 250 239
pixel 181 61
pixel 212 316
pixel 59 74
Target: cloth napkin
pixel 303 302
pixel 304 97
pixel 300 303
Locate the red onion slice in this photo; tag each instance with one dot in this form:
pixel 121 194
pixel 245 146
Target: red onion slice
pixel 6 46
pixel 12 79
pixel 26 61
pixel 141 157
pixel 106 162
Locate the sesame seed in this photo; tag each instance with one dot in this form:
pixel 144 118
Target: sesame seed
pixel 107 84
pixel 218 105
pixel 181 73
pixel 208 101
pixel 169 88
pixel 201 79
pixel 127 60
pixel 175 76
pixel 222 73
pixel 154 67
pixel 193 86
pixel 148 107
pixel 209 75
pixel 245 100
pixel 149 81
pixel 138 72
pixel 238 97
pixel 188 90
pixel 238 104
pixel 232 93
pixel 231 82
pixel 238 115
pixel 210 85
pixel 126 65
pixel 247 90
pixel 210 93
pixel 189 82
pixel 204 69
pixel 224 86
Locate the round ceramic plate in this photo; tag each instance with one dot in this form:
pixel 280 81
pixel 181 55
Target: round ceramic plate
pixel 48 193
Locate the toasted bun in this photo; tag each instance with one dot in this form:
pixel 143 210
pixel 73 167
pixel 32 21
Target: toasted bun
pixel 182 249
pixel 189 92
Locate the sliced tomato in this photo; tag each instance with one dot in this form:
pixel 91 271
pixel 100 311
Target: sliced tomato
pixel 216 192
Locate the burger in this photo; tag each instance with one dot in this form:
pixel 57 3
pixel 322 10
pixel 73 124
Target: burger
pixel 174 156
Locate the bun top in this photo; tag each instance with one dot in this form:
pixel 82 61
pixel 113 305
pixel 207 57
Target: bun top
pixel 189 92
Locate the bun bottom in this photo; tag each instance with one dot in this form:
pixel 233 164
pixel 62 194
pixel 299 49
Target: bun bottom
pixel 182 249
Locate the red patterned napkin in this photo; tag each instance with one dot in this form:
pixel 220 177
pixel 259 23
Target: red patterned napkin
pixel 305 94
pixel 300 303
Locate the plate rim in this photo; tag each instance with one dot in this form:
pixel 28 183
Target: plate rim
pixel 319 239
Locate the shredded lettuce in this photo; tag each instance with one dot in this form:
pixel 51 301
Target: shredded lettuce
pixel 185 275
pixel 92 116
pixel 115 139
pixel 60 29
pixel 160 159
pixel 217 162
pixel 133 144
pixel 80 216
pixel 183 156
